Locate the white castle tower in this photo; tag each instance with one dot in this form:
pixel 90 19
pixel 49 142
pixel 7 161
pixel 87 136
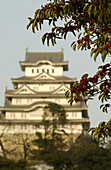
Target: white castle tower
pixel 42 83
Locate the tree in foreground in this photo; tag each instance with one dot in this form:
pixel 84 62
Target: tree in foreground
pixel 50 134
pixel 8 164
pixel 92 20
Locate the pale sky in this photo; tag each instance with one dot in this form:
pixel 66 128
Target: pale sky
pixel 15 38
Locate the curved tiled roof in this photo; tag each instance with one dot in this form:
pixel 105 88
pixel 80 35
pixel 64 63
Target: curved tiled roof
pixel 54 57
pixel 33 79
pixel 39 104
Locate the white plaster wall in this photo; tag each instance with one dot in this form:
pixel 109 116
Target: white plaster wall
pixel 57 70
pixel 44 87
pixel 21 128
pixel 37 114
pixel 17 115
pixel 22 101
pixel 74 128
pixel 27 101
pixel 19 85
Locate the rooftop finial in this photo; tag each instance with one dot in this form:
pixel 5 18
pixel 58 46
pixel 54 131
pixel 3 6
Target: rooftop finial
pixel 27 49
pixel 5 89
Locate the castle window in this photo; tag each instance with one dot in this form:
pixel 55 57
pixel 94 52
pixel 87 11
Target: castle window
pixel 18 100
pixel 29 100
pixel 35 88
pixel 74 114
pixel 42 70
pixel 13 115
pixel 37 70
pixel 24 90
pixel 32 70
pixel 52 70
pixel 23 115
pixel 13 126
pixel 47 70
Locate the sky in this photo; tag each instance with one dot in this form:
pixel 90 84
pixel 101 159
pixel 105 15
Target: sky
pixel 15 38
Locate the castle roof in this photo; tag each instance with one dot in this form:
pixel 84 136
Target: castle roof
pixel 35 79
pixel 55 58
pixel 39 104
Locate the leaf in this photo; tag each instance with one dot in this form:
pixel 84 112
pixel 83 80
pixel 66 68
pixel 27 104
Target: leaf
pixel 92 51
pixel 59 37
pixel 43 38
pixel 36 27
pixel 100 67
pixel 47 41
pixel 106 36
pixel 48 12
pixel 28 25
pixel 72 43
pixel 53 13
pixel 84 76
pixel 79 46
pixel 33 29
pixel 36 12
pixel 100 96
pixel 109 40
pixel 90 129
pixel 50 20
pixel 104 55
pixel 79 35
pixel 65 35
pixel 55 1
pixel 65 18
pixel 74 47
pixel 89 10
pixel 96 54
pixel 101 106
pixel 85 7
pixel 69 10
pixel 52 41
pixel 102 123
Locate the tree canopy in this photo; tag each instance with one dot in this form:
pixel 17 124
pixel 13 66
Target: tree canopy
pixel 51 138
pixel 90 20
pixel 93 16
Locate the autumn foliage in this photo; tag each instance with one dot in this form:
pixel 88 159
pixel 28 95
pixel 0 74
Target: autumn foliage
pixel 90 20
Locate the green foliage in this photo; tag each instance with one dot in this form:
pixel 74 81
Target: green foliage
pixel 6 164
pixel 89 87
pixel 93 16
pixel 85 154
pixel 102 131
pixel 50 139
pixel 92 157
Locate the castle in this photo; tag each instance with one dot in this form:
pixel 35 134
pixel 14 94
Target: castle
pixel 42 83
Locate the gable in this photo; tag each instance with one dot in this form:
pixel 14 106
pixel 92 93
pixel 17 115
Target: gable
pixel 61 89
pixel 24 90
pixel 44 76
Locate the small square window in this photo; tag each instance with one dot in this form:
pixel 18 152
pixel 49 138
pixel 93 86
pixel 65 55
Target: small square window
pixel 52 70
pixel 47 70
pixel 37 70
pixel 42 70
pixel 32 70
